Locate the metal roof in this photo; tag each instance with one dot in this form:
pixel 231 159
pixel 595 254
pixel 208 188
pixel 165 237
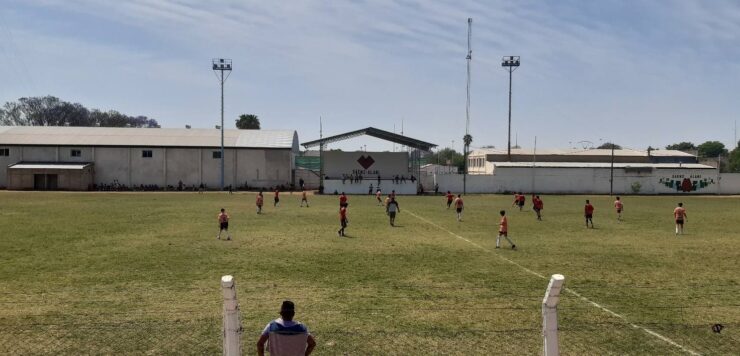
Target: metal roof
pixel 51 165
pixel 600 165
pixel 146 137
pixel 580 152
pixel 378 133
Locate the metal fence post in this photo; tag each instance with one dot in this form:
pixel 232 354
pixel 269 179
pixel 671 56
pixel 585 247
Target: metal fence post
pixel 232 327
pixel 550 316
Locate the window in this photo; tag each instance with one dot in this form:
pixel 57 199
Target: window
pixel 5 152
pixel 216 154
pixel 76 153
pixel 146 153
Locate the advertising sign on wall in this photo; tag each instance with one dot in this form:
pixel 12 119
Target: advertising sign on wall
pixel 367 164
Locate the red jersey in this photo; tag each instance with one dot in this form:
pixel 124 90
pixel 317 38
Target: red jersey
pixel 343 213
pixel 679 213
pixel 342 199
pixel 618 204
pixel 450 196
pixel 277 193
pixel 589 209
pixel 503 225
pixel 538 203
pixel 458 203
pixel 259 200
pixel 223 217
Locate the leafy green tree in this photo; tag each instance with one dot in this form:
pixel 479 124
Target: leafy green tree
pixel 448 156
pixel 608 146
pixel 712 149
pixel 682 146
pixel 248 122
pixel 734 160
pixel 51 111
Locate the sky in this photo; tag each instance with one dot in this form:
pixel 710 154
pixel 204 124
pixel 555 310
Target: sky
pixel 638 73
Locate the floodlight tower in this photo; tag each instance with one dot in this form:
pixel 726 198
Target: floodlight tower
pixel 222 65
pixel 510 63
pixel 467 139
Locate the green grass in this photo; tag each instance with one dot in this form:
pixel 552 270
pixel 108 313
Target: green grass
pixel 124 273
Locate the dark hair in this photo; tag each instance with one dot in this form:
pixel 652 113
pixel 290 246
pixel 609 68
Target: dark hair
pixel 502 212
pixel 680 204
pixel 617 198
pixel 222 210
pixel 587 202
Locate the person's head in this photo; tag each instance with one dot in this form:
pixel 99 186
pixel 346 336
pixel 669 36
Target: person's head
pixel 680 204
pixel 458 195
pixel 393 199
pixel 618 198
pixel 448 192
pixel 502 212
pixel 393 191
pixel 287 310
pixel 342 193
pixel 537 196
pixel 587 202
pixel 222 210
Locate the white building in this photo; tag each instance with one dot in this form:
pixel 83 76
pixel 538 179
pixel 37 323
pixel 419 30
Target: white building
pixel 47 157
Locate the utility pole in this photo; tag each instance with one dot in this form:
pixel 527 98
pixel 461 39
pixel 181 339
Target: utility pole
pixel 321 156
pixel 467 139
pixel 510 63
pixel 611 174
pixel 222 65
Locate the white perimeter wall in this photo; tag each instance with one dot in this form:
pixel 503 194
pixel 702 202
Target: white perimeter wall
pixel 387 164
pixel 386 186
pixel 588 181
pixel 167 166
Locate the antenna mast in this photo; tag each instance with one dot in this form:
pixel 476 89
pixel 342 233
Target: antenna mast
pixel 467 139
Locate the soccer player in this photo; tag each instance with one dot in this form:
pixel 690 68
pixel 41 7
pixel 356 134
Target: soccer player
pixel 391 210
pixel 680 214
pixel 343 201
pixel 537 206
pixel 304 198
pixel 522 199
pixel 588 212
pixel 378 195
pixel 619 206
pixel 260 202
pixel 516 200
pixel 459 207
pixel 277 198
pixel 393 193
pixel 503 230
pixel 223 224
pixel 342 220
pixel 450 197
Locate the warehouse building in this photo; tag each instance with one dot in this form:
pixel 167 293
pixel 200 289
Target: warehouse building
pixel 78 158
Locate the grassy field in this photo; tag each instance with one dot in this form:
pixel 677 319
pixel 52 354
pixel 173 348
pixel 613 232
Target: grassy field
pixel 126 273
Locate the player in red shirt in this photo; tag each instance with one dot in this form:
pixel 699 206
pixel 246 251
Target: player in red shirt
pixel 503 230
pixel 342 220
pixel 277 198
pixel 459 207
pixel 588 212
pixel 537 206
pixel 343 201
pixel 450 198
pixel 223 224
pixel 260 202
pixel 679 213
pixel 620 207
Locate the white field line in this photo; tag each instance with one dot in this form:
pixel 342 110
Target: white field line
pixel 571 291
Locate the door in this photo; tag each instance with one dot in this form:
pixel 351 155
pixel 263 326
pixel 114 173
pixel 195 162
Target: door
pixel 39 181
pixel 51 182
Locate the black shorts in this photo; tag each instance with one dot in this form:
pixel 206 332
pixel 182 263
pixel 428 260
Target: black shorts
pixel 392 214
pixel 679 222
pixel 277 200
pixel 343 205
pixel 619 211
pixel 449 202
pixel 536 209
pixel 459 210
pixel 589 216
pixel 343 222
pixel 520 203
pixel 223 226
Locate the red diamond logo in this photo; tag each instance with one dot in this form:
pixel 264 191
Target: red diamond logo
pixel 365 162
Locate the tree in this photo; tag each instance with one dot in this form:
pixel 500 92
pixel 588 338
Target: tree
pixel 682 146
pixel 248 122
pixel 51 111
pixel 448 155
pixel 712 149
pixel 734 160
pixel 609 145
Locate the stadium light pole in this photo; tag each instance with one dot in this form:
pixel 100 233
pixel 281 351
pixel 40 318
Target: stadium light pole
pixel 222 65
pixel 467 139
pixel 510 63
